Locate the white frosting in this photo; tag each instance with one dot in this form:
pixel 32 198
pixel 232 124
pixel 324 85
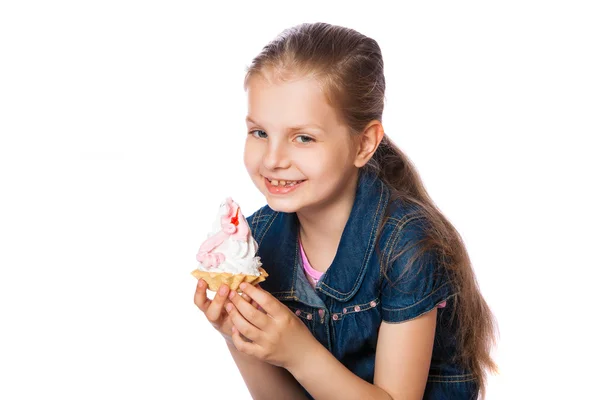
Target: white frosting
pixel 240 256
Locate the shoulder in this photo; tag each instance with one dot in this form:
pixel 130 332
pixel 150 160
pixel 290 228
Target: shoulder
pixel 260 215
pixel 404 224
pixel 413 277
pixel 261 221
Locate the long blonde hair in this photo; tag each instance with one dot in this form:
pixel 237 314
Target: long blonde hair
pixel 349 66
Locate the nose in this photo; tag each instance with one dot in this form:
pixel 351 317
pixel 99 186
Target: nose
pixel 276 156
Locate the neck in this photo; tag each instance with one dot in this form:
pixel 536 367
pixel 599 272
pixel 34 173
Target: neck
pixel 325 225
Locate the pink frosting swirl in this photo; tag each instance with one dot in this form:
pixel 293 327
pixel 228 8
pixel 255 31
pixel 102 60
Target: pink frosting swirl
pixel 230 227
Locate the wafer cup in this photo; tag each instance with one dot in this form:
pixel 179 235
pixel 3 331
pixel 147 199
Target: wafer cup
pixel 216 279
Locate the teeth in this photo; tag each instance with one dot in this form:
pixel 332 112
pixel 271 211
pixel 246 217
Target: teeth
pixel 275 182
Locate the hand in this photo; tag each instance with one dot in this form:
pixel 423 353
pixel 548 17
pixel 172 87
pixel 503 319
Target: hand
pixel 214 309
pixel 276 336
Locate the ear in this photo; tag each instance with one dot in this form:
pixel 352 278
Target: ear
pixel 368 141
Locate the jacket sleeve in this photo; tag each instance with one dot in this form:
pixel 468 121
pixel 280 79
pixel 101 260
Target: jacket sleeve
pixel 408 291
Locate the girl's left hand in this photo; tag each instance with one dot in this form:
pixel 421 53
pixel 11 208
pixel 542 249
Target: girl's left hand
pixel 276 335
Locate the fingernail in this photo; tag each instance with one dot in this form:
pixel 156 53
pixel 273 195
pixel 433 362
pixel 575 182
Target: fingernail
pixel 232 294
pixel 200 283
pixel 223 290
pixel 228 307
pixel 243 285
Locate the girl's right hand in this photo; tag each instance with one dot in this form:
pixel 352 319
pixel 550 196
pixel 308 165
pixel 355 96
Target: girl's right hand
pixel 214 309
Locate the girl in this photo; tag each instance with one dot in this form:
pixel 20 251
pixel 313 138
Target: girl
pixel 370 292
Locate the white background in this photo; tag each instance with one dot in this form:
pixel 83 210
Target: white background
pixel 122 129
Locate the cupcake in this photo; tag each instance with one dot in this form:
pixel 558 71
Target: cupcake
pixel 228 255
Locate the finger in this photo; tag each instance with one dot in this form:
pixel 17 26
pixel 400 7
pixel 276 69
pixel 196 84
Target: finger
pixel 242 345
pixel 200 299
pixel 242 325
pixel 264 299
pixel 249 300
pixel 215 309
pixel 249 312
pixel 255 305
pixel 246 297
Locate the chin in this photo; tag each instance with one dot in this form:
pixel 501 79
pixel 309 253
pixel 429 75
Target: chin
pixel 281 205
pixel 287 204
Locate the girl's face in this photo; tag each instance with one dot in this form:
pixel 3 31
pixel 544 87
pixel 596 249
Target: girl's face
pixel 298 154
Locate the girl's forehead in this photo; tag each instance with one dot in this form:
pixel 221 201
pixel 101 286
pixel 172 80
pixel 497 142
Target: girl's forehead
pixel 296 101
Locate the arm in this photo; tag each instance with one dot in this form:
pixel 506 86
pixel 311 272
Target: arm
pixel 404 355
pixel 280 338
pixel 324 377
pixel 262 379
pixel 401 365
pixel 266 381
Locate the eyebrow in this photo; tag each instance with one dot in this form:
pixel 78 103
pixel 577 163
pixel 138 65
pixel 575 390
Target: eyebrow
pixel 292 128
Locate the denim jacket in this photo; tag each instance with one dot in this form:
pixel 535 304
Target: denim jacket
pixel 355 296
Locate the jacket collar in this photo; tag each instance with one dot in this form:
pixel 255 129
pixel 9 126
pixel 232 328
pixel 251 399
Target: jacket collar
pixel 280 253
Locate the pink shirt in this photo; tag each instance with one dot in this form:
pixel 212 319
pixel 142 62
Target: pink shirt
pixel 313 275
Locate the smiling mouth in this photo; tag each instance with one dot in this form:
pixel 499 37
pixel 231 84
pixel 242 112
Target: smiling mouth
pixel 283 183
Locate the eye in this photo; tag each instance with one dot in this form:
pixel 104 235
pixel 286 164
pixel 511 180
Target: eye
pixel 257 133
pixel 303 139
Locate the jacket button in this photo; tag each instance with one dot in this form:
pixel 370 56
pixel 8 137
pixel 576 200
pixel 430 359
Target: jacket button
pixel 373 304
pixel 309 317
pixel 298 312
pixel 345 310
pixel 321 313
pixel 357 308
pixel 335 317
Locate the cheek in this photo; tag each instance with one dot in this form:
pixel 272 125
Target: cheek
pixel 330 164
pixel 249 157
pixel 331 174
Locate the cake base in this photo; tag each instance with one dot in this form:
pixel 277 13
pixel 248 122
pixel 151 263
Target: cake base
pixel 216 279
